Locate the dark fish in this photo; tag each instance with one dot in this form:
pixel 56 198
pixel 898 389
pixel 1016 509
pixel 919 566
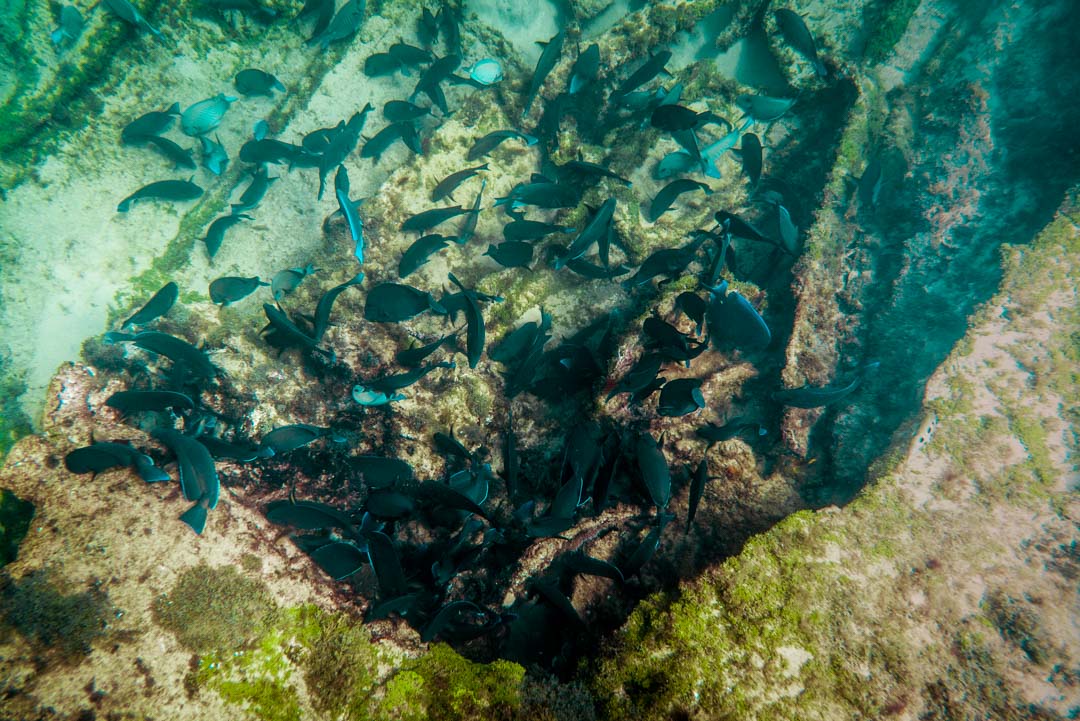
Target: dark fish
pixel 340 559
pixel 492 140
pixel 127 12
pixel 474 335
pixel 640 375
pixel 308 516
pixel 460 621
pixel 667 195
pixel 717 434
pixel 379 65
pixel 567 498
pixel 763 108
pixel 215 234
pixel 670 262
pixel 427 27
pixel 286 281
pixel 230 289
pixel 428 219
pixel 317 141
pixel 648 547
pixel 253 81
pixel 582 563
pixel 675 163
pixel 443 495
pixel 270 150
pixel 409 54
pixel 654 470
pixel 242 453
pixel 152 123
pixel 732 319
pixel 548 526
pixel 253 194
pixel 412 357
pixel 697 490
pixel 344 24
pixel 449 20
pixel 751 157
pixel 134 401
pixel 377 144
pixel 549 58
pixel 551 593
pixel 288 438
pixel 326 304
pixel 342 145
pixel 420 252
pixel 789 232
pixel 70 26
pixel 380 471
pixel 198 477
pixel 511 254
pixel 532 230
pixel 394 302
pixel 740 228
pixel 586 269
pixel 194 361
pixel 870 184
pixel 676 117
pixel 585 69
pixel 283 333
pixel 447 186
pixel 214 156
pixel 811 397
pixel 798 36
pixel 348 210
pixel 652 67
pixel 158 305
pixel 576 169
pixel 694 306
pixel 680 397
pixel 402 111
pixel 162 190
pixel 388 384
pixel 389 504
pixel 542 195
pixel 323 10
pixel 468 227
pixel 438 71
pixel 99 457
pixel 411 138
pixel 592 233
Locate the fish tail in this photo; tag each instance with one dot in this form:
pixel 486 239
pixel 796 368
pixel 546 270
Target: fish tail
pixel 195 516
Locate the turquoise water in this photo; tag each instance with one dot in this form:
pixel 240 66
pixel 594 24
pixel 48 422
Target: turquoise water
pixel 589 381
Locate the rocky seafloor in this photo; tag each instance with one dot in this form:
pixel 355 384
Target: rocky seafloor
pixel 911 553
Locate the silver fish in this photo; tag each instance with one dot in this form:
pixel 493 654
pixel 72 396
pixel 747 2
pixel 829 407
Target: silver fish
pixel 205 115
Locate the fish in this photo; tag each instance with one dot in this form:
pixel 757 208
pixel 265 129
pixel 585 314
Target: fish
pixel 379 65
pixel 446 187
pixel 98 457
pixel 215 234
pixel 326 305
pixel 673 117
pixel 648 547
pixel 511 254
pixel 548 526
pixel 381 471
pixel 71 24
pixel 411 357
pixel 409 54
pixel 441 494
pixel 342 145
pixel 717 434
pixel 667 340
pixel 343 25
pixel 733 320
pixel 551 593
pixel 449 20
pixel 680 397
pixel 693 306
pixel 799 37
pixel 286 281
pixel 230 289
pixel 596 228
pixel 438 71
pixel 581 563
pixel 162 190
pixel 670 262
pixel 198 477
pixel 348 210
pixel 816 397
pixel 135 401
pixel 127 12
pixel 710 155
pixel 585 69
pixel 308 516
pixel 271 150
pixel 549 58
pixel 543 195
pixel 411 138
pixel 284 439
pixel 322 11
pixel 367 397
pixel 427 27
pixel 789 232
pixel 492 140
pixel 532 230
pixel 591 270
pixel 284 333
pixel 674 163
pixel 389 504
pixel 152 123
pixel 486 72
pixel 654 470
pixel 667 195
pixel 377 144
pixel 254 192
pixel 179 351
pixel 420 252
pixel 388 384
pixel 159 304
pixel 697 490
pixel 428 219
pixel 205 115
pixel 214 156
pixel 640 375
pixel 474 334
pixel 578 169
pixel 869 187
pixel 252 81
pixel 250 7
pixel 462 621
pixel 242 453
pixel 650 69
pixel 468 227
pixel 339 559
pixel 402 111
pixel 751 157
pixel 172 151
pixel 741 228
pixel 395 302
pixel 762 108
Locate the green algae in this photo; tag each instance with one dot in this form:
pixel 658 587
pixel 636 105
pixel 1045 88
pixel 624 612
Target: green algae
pixel 15 517
pixel 14 423
pixel 62 626
pixel 891 25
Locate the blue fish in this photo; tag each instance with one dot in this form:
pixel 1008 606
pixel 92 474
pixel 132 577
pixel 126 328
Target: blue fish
pixel 205 115
pixel 348 209
pixel 214 156
pixel 486 71
pixel 367 397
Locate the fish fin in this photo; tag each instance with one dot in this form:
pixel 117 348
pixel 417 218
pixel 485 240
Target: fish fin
pixel 195 516
pixel 173 109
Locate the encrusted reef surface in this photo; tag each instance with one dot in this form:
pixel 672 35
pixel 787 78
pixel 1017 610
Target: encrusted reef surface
pixel 945 590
